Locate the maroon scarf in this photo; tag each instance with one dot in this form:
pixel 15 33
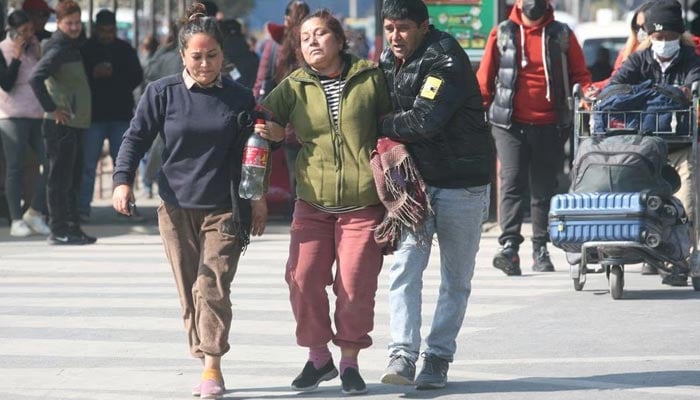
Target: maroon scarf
pixel 402 191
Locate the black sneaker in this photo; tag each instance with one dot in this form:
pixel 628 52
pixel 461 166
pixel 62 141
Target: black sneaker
pixel 352 382
pixel 675 279
pixel 310 377
pixel 433 375
pixel 65 239
pixel 77 231
pixel 541 260
pixel 507 259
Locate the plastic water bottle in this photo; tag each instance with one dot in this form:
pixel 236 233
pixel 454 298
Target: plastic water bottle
pixel 255 158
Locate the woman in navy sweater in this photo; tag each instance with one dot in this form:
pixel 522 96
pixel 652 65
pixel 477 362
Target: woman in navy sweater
pixel 196 113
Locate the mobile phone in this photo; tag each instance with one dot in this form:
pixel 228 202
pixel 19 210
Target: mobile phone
pixel 132 208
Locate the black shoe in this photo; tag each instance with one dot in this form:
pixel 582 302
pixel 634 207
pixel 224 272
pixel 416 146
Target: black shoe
pixel 66 239
pixel 675 279
pixel 352 382
pixel 541 260
pixel 507 259
pixel 310 377
pixel 77 231
pixel 649 269
pixel 433 375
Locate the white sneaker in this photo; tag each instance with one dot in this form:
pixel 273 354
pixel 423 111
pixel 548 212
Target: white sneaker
pixel 36 222
pixel 20 229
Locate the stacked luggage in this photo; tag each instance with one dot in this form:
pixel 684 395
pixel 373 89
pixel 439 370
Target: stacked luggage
pixel 653 222
pixel 621 209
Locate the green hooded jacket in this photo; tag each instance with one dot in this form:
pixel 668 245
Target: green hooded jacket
pixel 332 168
pixel 59 80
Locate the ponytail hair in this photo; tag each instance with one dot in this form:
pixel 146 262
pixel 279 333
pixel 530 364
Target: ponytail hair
pixel 196 21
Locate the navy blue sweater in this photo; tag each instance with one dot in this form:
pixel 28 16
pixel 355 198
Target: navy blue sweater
pixel 202 140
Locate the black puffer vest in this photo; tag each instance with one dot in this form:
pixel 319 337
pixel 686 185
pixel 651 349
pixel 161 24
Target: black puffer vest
pixel 557 44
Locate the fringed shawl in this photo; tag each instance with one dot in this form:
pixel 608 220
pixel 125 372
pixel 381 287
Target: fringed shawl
pixel 402 191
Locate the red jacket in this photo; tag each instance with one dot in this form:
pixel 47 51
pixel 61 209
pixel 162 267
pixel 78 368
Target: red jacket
pixel 530 104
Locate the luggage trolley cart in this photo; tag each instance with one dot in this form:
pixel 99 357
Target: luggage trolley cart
pixel 627 210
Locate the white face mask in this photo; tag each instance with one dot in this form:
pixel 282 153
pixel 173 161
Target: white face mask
pixel 641 35
pixel 665 48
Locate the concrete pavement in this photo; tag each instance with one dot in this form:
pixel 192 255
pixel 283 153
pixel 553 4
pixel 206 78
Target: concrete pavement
pixel 103 322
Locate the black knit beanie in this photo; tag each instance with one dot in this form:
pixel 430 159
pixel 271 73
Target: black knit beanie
pixel 105 17
pixel 664 15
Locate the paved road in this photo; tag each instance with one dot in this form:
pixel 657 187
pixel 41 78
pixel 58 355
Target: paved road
pixel 102 322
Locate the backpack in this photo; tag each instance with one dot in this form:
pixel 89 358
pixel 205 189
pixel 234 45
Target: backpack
pixel 622 163
pixel 646 108
pixel 675 232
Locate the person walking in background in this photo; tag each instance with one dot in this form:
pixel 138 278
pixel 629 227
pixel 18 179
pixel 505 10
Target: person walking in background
pixel 196 111
pixel 278 56
pixel 536 60
pixel 165 61
pixel 20 123
pixel 148 47
pixel 439 117
pixel 61 86
pixel 601 68
pixel 243 61
pixel 637 38
pixel 670 59
pixel 278 60
pixel 114 71
pixel 357 42
pixel 39 12
pixel 337 206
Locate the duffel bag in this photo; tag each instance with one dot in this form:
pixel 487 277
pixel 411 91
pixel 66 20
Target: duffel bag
pixel 621 163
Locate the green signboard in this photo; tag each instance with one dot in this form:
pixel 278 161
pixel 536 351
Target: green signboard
pixel 469 21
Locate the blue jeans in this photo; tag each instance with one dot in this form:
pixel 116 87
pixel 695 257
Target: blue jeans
pixel 459 214
pixel 93 141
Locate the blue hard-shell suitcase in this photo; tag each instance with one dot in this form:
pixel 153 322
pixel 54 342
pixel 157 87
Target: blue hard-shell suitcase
pixel 576 218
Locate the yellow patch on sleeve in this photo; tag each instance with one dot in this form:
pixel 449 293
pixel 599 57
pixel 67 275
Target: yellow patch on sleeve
pixel 430 88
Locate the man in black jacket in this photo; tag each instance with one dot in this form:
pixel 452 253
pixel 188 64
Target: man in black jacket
pixel 114 71
pixel 438 115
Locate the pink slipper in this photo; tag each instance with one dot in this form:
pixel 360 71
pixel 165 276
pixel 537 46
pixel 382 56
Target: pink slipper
pixel 211 389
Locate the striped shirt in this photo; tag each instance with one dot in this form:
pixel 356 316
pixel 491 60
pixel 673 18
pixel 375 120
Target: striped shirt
pixel 333 88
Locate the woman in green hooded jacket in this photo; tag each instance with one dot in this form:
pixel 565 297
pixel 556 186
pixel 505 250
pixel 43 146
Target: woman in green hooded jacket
pixel 334 103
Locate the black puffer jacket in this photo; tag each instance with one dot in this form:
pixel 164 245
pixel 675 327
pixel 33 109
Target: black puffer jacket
pixel 641 66
pixel 438 113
